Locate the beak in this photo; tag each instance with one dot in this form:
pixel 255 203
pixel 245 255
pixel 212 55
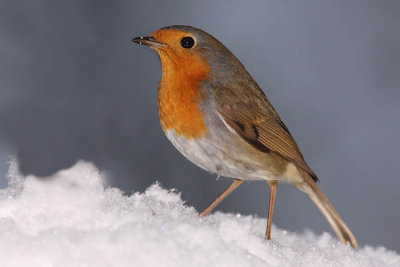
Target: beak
pixel 149 41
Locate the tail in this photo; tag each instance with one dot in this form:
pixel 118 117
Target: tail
pixel 315 194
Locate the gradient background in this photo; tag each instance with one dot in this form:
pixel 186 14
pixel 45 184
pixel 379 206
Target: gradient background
pixel 73 86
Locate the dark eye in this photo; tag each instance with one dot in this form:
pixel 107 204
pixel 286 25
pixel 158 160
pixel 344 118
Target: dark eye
pixel 187 42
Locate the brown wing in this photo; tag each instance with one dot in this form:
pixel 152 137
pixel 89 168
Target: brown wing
pixel 261 127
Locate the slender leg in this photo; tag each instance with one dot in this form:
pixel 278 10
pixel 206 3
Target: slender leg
pixel 272 193
pixel 221 197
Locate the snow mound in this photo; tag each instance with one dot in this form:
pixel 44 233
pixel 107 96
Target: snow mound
pixel 72 219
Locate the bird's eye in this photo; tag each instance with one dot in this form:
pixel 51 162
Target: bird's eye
pixel 187 42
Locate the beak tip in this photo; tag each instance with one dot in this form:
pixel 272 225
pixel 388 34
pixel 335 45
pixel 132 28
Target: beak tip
pixel 137 40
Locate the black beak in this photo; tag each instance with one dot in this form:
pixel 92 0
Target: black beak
pixel 149 41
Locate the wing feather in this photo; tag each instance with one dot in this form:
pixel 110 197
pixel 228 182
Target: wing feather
pixel 266 133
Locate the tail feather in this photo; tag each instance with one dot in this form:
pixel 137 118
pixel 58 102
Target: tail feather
pixel 315 194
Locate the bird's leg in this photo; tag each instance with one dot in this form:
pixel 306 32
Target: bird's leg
pixel 272 193
pixel 221 197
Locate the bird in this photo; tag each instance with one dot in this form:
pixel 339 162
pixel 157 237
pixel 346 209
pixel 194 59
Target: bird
pixel 215 114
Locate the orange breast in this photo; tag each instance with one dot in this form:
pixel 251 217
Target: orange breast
pixel 179 94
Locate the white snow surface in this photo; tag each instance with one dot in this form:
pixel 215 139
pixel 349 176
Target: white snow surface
pixel 73 219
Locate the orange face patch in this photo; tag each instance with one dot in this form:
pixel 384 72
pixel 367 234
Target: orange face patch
pixel 178 92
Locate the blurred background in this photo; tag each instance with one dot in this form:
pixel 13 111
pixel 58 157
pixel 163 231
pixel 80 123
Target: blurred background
pixel 73 86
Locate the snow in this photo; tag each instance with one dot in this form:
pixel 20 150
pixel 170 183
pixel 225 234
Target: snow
pixel 73 219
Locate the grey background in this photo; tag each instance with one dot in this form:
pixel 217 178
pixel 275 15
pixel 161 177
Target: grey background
pixel 73 86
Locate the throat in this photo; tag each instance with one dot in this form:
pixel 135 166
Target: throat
pixel 178 102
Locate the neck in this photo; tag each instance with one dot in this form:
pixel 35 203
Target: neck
pixel 179 95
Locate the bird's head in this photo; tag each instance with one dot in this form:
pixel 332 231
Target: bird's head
pixel 188 49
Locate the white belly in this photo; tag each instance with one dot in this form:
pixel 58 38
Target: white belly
pixel 214 157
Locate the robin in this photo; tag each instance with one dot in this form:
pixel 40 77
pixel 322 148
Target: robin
pixel 216 115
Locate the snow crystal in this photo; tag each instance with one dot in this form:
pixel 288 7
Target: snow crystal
pixel 72 219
